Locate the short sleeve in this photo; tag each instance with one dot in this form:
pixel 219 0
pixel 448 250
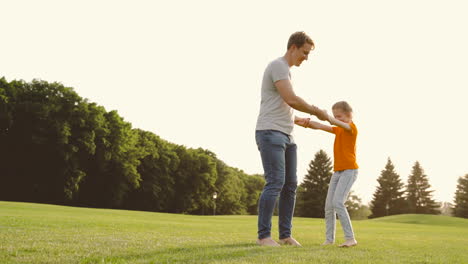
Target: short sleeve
pixel 279 71
pixel 335 130
pixel 353 128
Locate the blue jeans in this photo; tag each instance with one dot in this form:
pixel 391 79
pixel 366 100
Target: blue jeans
pixel 279 159
pixel 338 190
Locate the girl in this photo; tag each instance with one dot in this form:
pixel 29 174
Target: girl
pixel 345 169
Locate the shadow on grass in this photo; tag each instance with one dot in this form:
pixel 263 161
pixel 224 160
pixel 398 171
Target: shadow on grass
pixel 188 254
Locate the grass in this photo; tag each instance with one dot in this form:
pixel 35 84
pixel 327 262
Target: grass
pixel 38 233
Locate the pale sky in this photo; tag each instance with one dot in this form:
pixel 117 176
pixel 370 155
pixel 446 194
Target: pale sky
pixel 190 71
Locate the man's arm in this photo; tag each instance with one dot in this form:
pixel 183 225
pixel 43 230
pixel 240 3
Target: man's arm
pixel 339 123
pixel 285 90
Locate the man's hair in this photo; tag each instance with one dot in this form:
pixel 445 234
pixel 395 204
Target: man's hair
pixel 298 39
pixel 344 106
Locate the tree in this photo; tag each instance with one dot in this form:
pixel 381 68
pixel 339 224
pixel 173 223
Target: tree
pixel 355 207
pixel 388 198
pixel 418 196
pixel 56 147
pixel 113 172
pixel 195 180
pixel 38 152
pixel 157 165
pixel 312 192
pixel 230 190
pixel 461 198
pixel 254 186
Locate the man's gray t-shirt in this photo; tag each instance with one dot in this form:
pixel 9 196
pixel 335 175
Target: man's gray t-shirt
pixel 275 113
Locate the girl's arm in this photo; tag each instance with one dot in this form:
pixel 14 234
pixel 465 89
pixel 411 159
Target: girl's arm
pixel 339 123
pixel 306 122
pixel 301 121
pixel 317 125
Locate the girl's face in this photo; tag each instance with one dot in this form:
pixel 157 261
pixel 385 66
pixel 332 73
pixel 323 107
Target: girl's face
pixel 342 116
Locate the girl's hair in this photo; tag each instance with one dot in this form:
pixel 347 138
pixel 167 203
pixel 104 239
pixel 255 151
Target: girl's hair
pixel 344 106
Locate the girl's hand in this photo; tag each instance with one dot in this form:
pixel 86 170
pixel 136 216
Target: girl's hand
pixel 303 122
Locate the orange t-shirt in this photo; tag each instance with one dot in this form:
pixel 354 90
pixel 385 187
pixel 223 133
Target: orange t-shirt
pixel 344 149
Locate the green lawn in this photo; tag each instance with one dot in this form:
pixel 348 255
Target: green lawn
pixel 36 233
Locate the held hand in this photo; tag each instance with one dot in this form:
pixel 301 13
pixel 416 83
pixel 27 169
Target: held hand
pixel 299 121
pixel 307 122
pixel 322 115
pixel 303 122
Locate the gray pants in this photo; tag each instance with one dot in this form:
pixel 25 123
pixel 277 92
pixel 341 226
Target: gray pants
pixel 338 190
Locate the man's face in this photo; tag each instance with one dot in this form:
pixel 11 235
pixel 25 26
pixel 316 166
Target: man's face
pixel 302 53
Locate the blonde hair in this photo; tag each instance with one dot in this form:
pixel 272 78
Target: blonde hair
pixel 343 106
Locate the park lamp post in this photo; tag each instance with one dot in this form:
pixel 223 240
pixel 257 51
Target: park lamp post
pixel 215 195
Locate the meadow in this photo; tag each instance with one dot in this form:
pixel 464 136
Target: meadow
pixel 39 233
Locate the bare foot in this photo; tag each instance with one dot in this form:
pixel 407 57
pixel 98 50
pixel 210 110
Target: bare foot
pixel 267 242
pixel 349 243
pixel 290 241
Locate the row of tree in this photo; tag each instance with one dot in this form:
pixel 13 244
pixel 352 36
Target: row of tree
pixel 461 198
pixel 56 147
pixel 312 192
pixel 391 196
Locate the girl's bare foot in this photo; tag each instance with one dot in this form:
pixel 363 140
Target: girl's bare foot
pixel 349 243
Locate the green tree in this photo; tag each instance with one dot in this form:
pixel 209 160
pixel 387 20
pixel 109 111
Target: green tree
pixel 418 196
pixel 195 180
pixel 7 184
pixel 355 207
pixel 85 122
pixel 112 171
pixel 461 198
pixel 388 198
pixel 312 192
pixel 5 115
pixel 57 147
pixel 38 157
pixel 157 165
pixel 253 188
pixel 230 190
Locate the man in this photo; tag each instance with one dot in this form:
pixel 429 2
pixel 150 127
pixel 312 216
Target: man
pixel 273 136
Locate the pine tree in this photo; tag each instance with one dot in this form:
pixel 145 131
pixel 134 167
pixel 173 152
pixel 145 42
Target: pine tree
pixel 312 192
pixel 388 198
pixel 461 198
pixel 418 196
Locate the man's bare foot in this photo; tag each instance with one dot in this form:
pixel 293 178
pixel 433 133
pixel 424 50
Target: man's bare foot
pixel 326 243
pixel 349 243
pixel 267 242
pixel 290 241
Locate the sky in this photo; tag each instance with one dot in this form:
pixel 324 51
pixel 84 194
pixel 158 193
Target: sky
pixel 191 71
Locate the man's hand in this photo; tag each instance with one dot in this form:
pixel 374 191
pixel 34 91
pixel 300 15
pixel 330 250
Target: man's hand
pixel 322 115
pixel 303 122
